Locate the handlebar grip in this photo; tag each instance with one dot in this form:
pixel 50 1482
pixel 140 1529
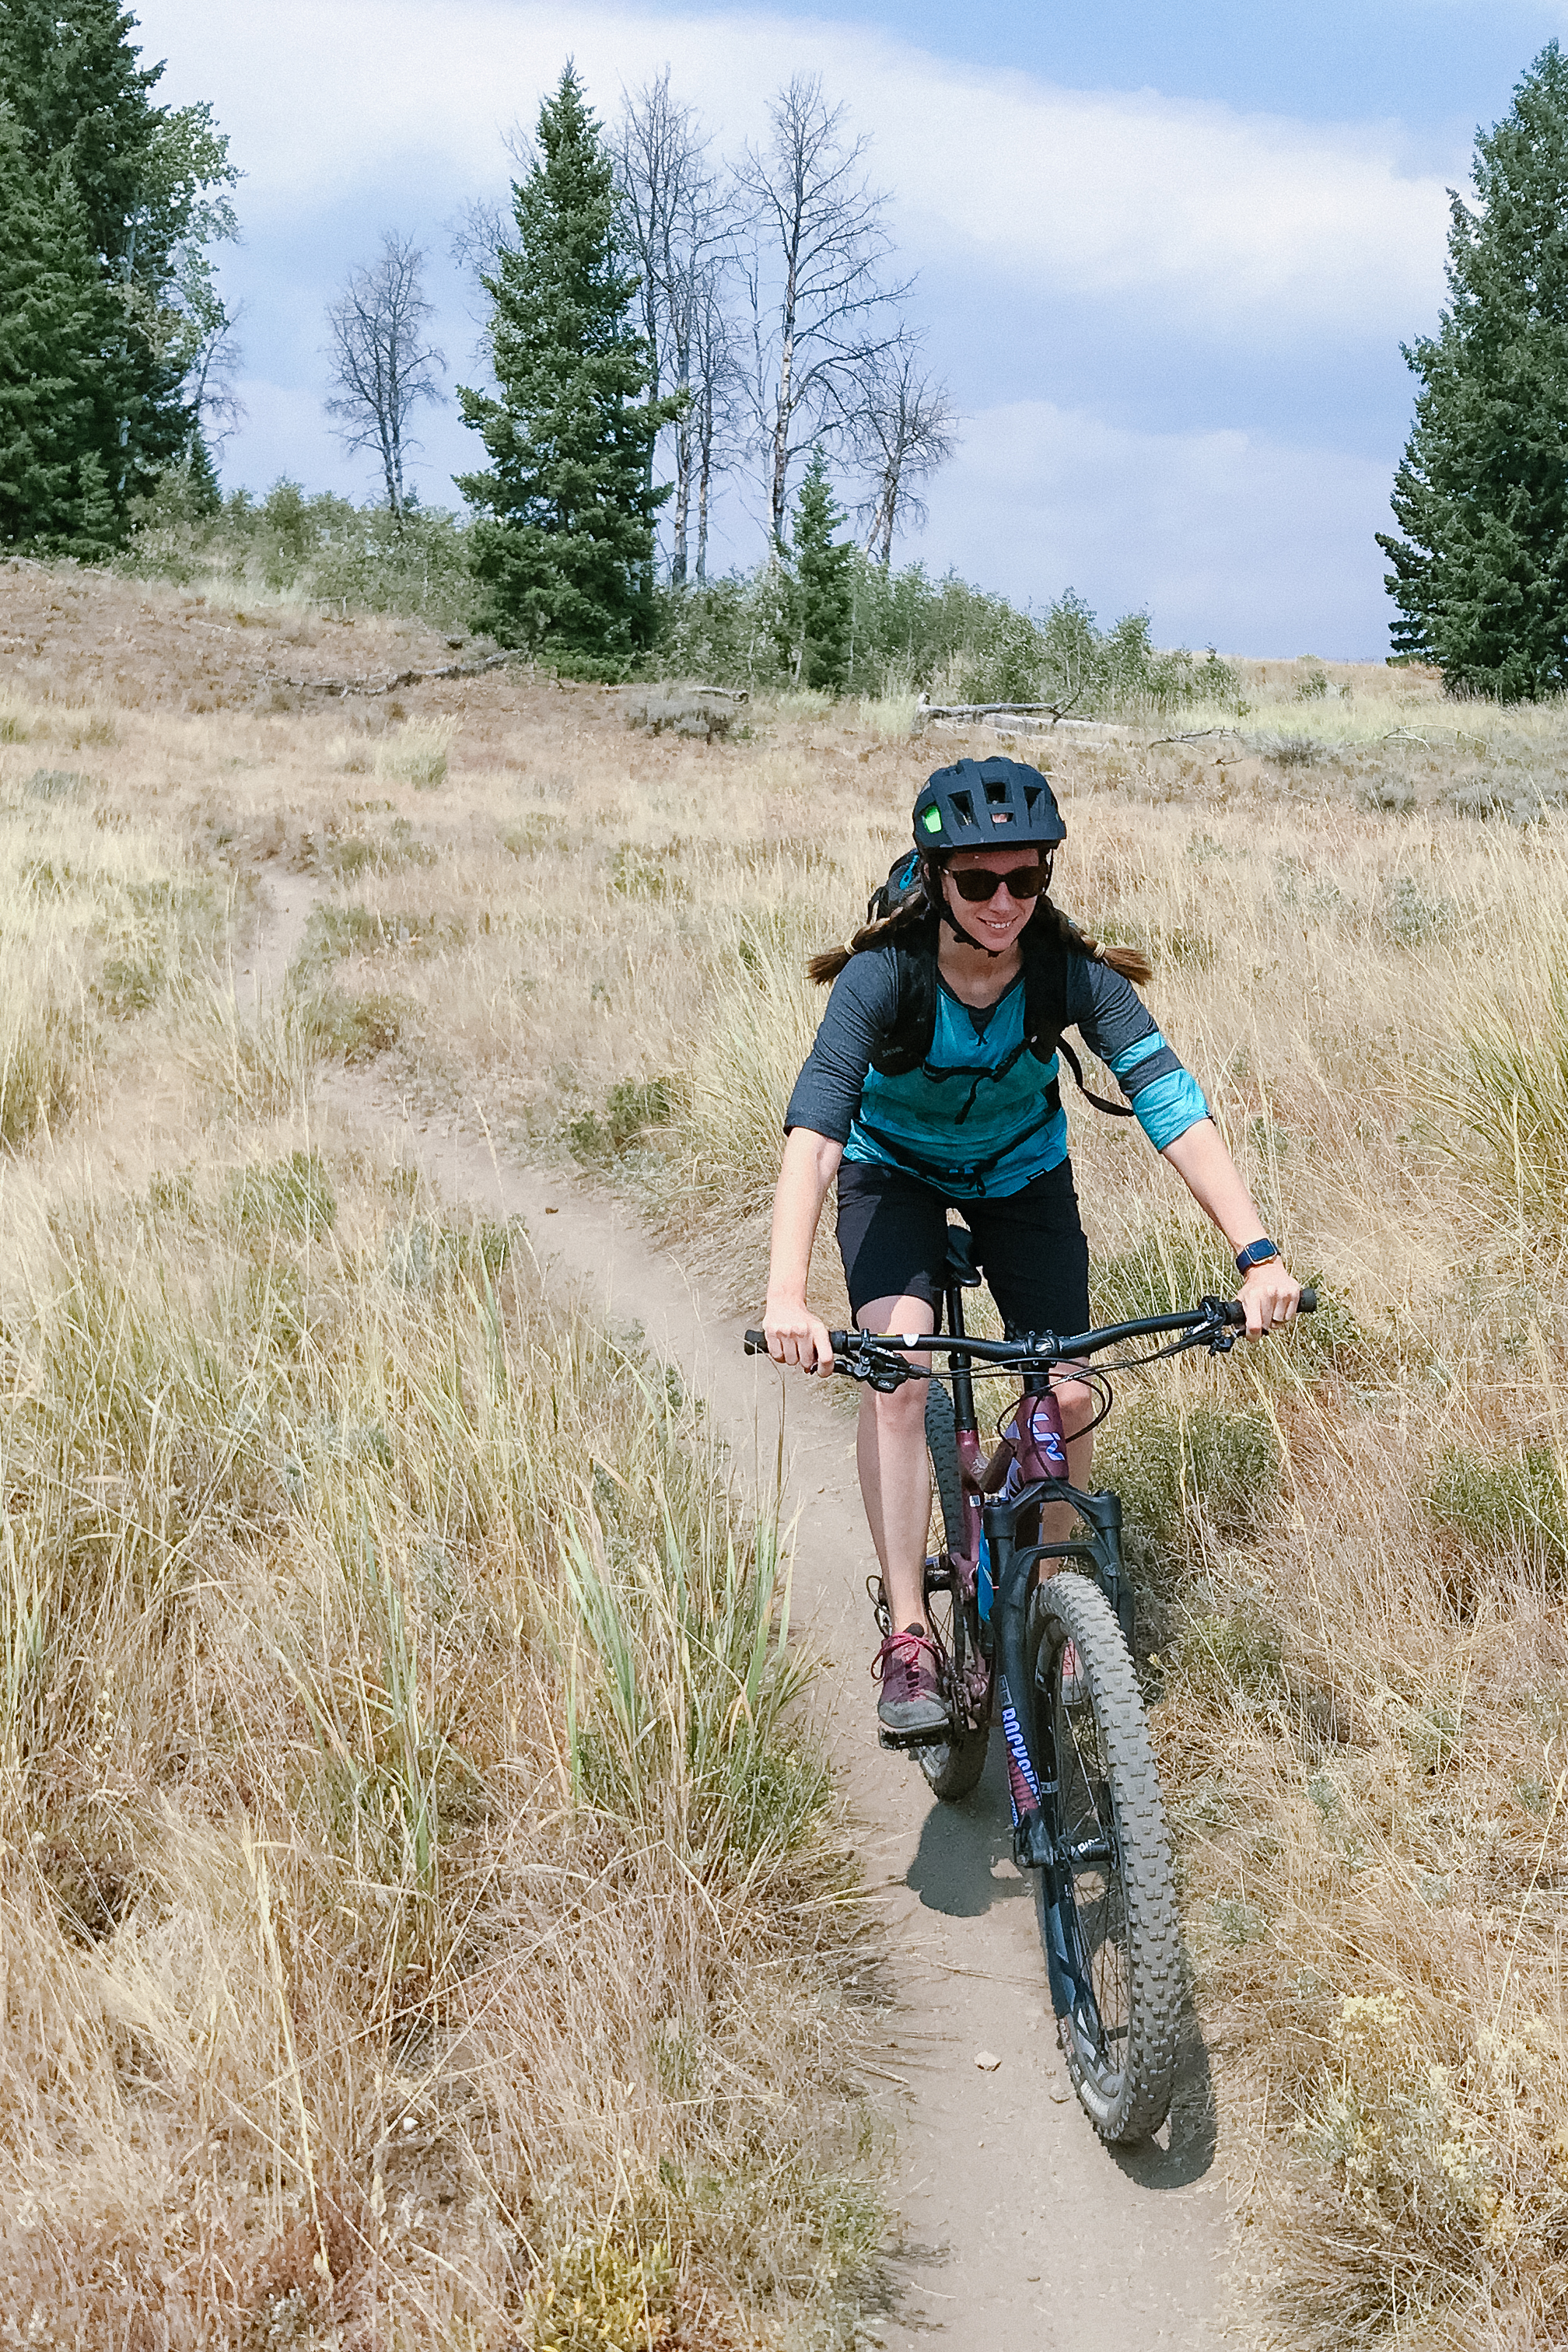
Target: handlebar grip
pixel 1235 1313
pixel 756 1342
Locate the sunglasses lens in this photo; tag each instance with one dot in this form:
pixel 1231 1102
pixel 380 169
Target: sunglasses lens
pixel 978 884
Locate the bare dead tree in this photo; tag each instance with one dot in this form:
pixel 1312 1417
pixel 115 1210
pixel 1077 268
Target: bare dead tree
pixel 675 225
pixel 210 384
pixel 382 364
pixel 822 314
pixel 902 431
pixel 718 401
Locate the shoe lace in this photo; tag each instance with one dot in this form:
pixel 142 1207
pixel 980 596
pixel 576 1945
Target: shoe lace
pixel 904 1648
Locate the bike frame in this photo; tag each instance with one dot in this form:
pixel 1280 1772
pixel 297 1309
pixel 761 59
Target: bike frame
pixel 1039 1452
pixel 1036 1448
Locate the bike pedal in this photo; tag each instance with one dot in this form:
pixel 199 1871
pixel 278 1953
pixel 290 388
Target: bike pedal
pixel 907 1739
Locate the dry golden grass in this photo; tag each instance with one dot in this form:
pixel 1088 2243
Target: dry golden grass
pixel 1352 1552
pixel 424 1918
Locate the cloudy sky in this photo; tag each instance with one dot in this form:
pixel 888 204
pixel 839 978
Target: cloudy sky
pixel 1166 253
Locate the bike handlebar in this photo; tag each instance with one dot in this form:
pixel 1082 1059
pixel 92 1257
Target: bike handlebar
pixel 1045 1348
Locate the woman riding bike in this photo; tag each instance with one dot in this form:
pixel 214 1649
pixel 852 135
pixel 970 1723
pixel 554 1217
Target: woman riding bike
pixel 933 1083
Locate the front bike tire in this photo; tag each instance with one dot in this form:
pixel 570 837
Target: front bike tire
pixel 953 1767
pixel 1110 1909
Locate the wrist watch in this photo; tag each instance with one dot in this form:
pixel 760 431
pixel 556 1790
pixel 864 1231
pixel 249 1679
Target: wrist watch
pixel 1257 1252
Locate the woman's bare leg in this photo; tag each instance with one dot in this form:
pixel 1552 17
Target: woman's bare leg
pixel 895 1476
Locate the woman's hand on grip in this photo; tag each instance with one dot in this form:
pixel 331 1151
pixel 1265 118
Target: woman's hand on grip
pixel 1270 1296
pixel 796 1336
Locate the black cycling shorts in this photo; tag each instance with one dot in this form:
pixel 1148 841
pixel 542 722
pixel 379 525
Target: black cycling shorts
pixel 1030 1245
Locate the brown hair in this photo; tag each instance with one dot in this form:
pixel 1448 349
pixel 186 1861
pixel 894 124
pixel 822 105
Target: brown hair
pixel 1131 962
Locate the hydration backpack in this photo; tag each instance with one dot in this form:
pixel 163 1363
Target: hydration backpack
pixel 1044 956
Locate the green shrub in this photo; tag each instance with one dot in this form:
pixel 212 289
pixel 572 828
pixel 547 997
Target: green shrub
pixel 1509 1502
pixel 956 642
pixel 358 930
pixel 320 547
pixel 630 1108
pixel 601 2294
pixel 1191 1475
pixel 130 984
pixel 1171 1266
pixel 358 1028
pixel 1232 1657
pixel 1410 919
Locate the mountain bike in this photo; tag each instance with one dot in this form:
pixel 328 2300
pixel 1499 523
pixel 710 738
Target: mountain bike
pixel 1052 1657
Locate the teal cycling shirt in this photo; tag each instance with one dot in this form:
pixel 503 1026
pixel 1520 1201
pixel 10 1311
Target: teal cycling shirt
pixel 981 1118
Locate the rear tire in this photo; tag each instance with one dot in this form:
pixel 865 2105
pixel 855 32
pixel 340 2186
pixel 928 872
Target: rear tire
pixel 1118 1919
pixel 953 1767
pixel 942 1445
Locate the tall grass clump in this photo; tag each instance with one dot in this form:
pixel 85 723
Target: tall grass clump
pixel 415 754
pixel 759 1022
pixel 405 1815
pixel 1512 1090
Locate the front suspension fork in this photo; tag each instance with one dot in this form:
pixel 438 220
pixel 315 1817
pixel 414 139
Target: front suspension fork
pixel 1031 1765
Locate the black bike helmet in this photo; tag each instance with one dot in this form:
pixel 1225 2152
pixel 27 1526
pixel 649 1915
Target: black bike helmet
pixel 985 804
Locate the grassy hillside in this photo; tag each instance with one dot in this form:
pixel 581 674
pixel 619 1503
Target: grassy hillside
pixel 423 1922
pixel 281 1444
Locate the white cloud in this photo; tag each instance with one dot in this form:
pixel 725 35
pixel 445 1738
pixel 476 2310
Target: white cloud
pixel 1106 193
pixel 1227 537
pixel 284 430
pixel 1163 227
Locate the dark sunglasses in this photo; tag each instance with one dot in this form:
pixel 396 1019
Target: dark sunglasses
pixel 978 883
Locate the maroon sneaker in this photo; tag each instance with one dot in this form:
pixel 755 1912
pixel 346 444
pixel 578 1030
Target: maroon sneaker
pixel 908 1668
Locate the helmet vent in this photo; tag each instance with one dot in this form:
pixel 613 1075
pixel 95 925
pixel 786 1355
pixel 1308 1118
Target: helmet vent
pixel 995 790
pixel 965 807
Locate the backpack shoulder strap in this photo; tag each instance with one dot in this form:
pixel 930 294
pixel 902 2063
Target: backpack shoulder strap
pixel 1111 1110
pixel 1045 1014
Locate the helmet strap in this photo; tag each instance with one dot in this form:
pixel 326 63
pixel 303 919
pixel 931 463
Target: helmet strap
pixel 956 928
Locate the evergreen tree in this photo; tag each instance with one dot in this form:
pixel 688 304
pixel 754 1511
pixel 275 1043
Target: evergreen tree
pixel 1480 573
pixel 565 553
pixel 62 338
pixel 150 188
pixel 823 591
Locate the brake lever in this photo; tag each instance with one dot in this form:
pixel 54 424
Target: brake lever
pixel 882 1373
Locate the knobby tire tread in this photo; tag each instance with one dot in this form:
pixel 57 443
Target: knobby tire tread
pixel 942 1445
pixel 953 1768
pixel 1153 1935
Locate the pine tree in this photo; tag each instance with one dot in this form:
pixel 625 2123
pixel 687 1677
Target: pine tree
pixel 822 598
pixel 62 337
pixel 1480 573
pixel 565 554
pixel 150 188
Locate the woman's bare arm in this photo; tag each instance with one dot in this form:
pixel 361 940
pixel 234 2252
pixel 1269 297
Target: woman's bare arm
pixel 1210 1174
pixel 796 1336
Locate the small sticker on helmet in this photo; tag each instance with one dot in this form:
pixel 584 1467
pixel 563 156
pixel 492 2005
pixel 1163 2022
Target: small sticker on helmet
pixel 933 820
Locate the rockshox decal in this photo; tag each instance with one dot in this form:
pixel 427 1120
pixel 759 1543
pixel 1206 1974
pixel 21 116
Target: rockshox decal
pixel 1021 1786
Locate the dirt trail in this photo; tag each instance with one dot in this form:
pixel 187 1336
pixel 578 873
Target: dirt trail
pixel 1020 2232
